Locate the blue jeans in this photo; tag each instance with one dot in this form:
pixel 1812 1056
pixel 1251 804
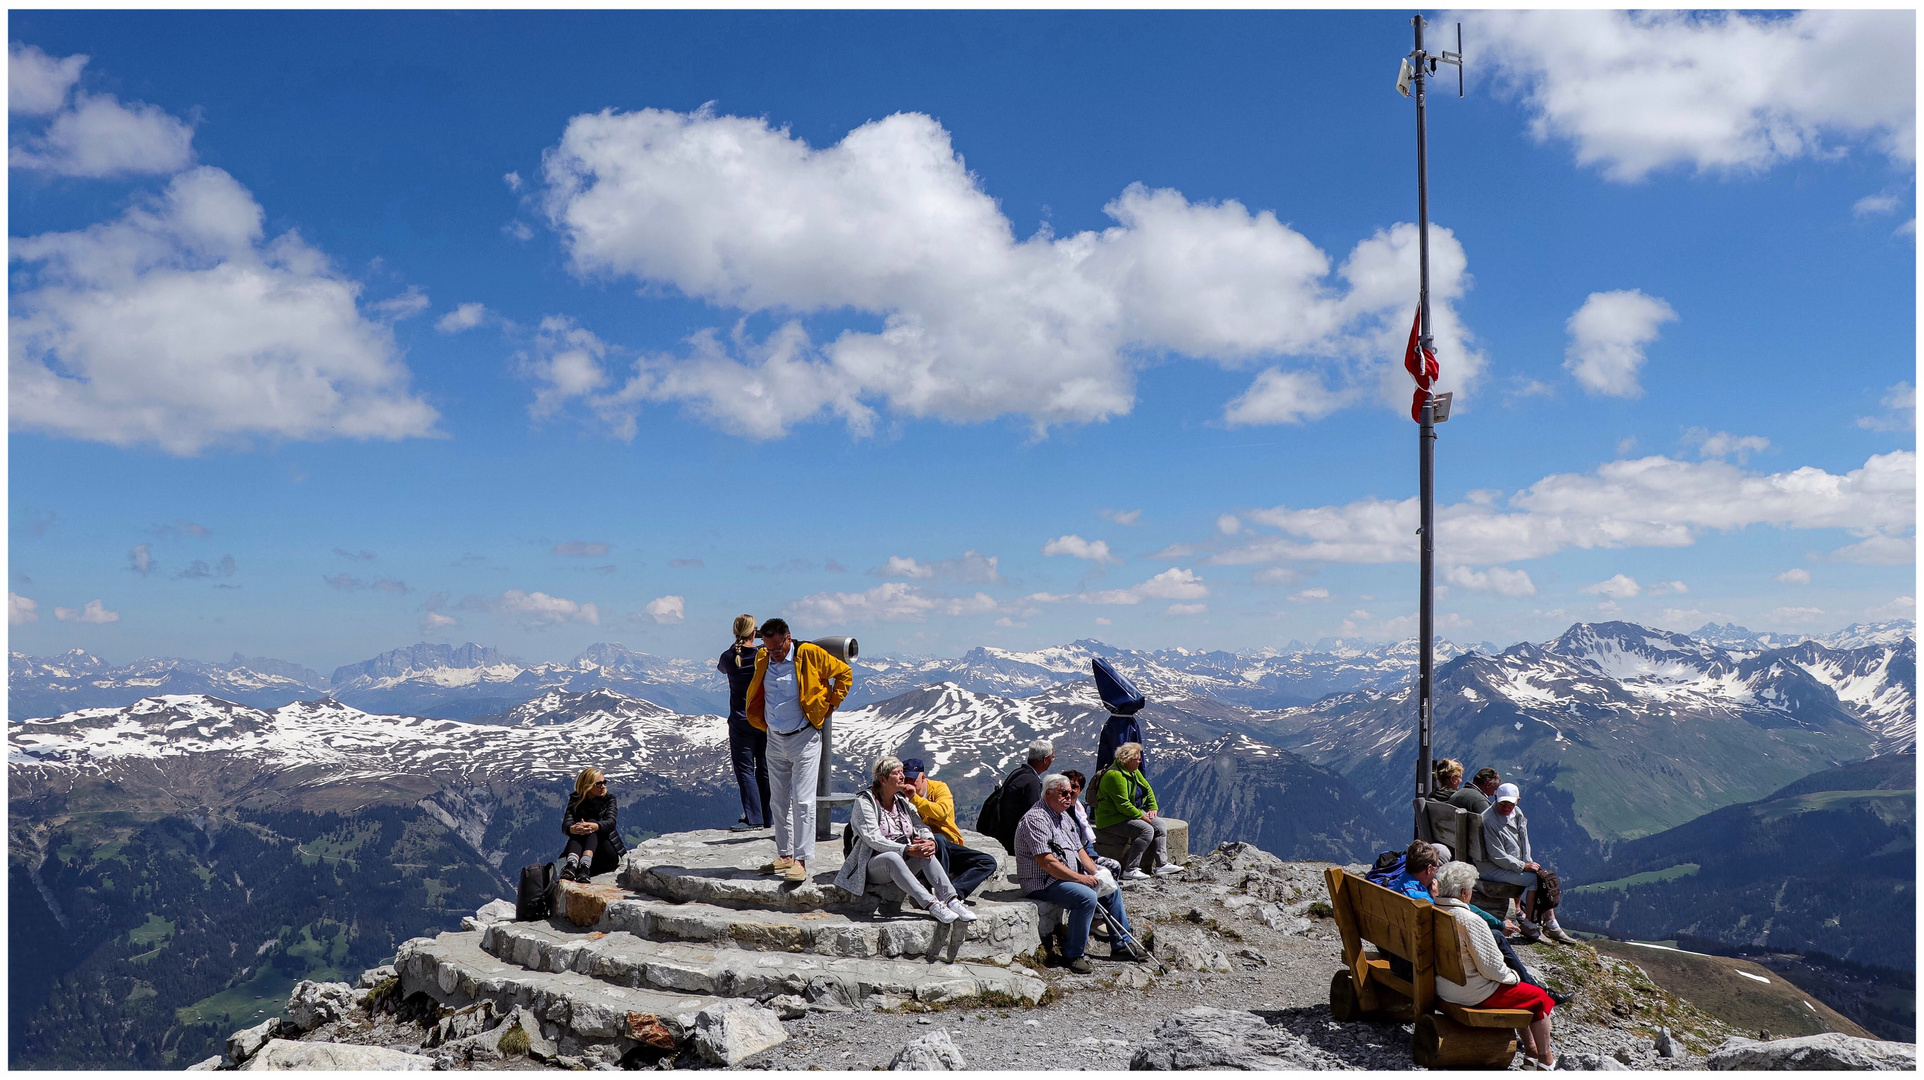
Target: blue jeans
pixel 1080 902
pixel 967 867
pixel 748 752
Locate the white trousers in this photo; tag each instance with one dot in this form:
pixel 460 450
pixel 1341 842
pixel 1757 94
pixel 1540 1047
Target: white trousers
pixel 794 769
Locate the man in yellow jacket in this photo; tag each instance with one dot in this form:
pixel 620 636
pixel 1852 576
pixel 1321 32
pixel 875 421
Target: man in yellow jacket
pixel 795 686
pixel 967 867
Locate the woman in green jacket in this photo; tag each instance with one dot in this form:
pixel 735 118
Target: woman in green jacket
pixel 1126 814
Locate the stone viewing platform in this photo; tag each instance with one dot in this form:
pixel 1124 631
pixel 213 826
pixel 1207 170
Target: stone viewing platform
pixel 690 955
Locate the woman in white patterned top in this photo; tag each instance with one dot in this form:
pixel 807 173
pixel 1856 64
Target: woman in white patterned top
pixel 892 841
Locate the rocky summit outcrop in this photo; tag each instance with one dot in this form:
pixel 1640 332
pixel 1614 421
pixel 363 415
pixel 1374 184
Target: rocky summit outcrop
pixel 692 956
pixel 1828 1051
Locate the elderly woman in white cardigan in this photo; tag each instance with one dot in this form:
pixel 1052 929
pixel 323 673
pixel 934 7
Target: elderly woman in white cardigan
pixel 1488 981
pixel 891 840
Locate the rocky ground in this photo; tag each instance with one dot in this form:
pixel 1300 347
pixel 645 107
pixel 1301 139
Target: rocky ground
pixel 1244 958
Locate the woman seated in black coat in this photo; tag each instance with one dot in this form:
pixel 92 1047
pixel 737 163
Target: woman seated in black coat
pixel 594 842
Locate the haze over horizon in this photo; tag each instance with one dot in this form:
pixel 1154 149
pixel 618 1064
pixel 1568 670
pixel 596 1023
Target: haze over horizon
pixel 337 331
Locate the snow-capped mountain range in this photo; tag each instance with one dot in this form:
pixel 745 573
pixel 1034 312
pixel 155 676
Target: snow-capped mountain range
pixel 460 682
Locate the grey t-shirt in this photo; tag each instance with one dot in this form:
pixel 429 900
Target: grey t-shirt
pixel 1044 832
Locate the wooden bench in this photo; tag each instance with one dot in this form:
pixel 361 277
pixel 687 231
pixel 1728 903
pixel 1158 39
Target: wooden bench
pixel 1460 1037
pixel 1462 832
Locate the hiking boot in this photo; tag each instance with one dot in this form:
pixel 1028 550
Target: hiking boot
pixel 1559 1000
pixel 796 871
pixel 779 866
pixel 1127 952
pixel 1081 966
pixel 1556 933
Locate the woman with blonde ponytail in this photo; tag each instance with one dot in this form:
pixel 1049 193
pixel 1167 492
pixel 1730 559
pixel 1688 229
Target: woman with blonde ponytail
pixel 747 744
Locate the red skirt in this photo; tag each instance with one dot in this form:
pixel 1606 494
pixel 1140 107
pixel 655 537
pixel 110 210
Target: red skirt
pixel 1521 995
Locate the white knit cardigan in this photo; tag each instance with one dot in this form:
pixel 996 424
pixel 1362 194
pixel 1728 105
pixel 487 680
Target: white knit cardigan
pixel 1483 968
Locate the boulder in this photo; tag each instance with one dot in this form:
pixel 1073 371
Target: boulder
pixel 788 1006
pixel 313 1004
pixel 286 1054
pixel 207 1064
pixel 732 1031
pixel 375 976
pixel 1829 1050
pixel 495 911
pixel 933 1052
pixel 243 1044
pixel 1206 1038
pixel 1664 1046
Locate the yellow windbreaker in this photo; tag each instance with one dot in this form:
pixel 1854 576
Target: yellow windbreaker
pixel 821 681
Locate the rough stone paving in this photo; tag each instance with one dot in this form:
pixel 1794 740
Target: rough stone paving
pixel 688 956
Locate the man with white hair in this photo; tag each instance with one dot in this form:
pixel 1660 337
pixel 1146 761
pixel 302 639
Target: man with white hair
pixel 1506 843
pixel 1051 865
pixel 1020 791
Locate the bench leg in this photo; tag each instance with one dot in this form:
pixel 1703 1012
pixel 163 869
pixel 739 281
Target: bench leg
pixel 1442 1043
pixel 1345 1004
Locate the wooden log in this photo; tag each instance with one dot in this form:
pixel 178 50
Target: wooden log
pixel 1442 1043
pixel 1344 1003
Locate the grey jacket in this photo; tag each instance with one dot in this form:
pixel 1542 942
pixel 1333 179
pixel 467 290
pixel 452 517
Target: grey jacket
pixel 866 820
pixel 1506 841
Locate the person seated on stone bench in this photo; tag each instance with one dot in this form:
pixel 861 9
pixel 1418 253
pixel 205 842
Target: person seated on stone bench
pixel 1417 880
pixel 891 842
pixel 1126 812
pixel 1488 981
pixel 1051 866
pixel 594 842
pixel 1077 783
pixel 967 868
pixel 1506 843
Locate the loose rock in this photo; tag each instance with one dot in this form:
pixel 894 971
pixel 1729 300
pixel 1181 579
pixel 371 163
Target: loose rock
pixel 1829 1050
pixel 933 1052
pixel 1206 1038
pixel 1664 1046
pixel 732 1031
pixel 313 1004
pixel 375 976
pixel 243 1044
pixel 207 1065
pixel 283 1054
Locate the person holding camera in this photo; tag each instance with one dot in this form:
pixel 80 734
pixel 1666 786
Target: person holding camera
pixel 747 744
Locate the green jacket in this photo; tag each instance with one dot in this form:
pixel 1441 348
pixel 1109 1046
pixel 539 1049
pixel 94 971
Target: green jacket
pixel 1122 796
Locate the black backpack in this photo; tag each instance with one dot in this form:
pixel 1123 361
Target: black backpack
pixel 988 821
pixel 535 897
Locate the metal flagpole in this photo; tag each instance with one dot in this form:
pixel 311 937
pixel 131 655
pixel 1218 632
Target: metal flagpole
pixel 1421 65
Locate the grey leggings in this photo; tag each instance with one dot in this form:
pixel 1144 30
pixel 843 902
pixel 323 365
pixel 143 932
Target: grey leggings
pixel 1140 834
pixel 903 870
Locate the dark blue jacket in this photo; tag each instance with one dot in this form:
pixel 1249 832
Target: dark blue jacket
pixel 1119 730
pixel 738 663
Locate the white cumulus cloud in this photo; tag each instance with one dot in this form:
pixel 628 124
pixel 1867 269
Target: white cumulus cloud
pixel 1187 609
pixel 666 610
pixel 94 136
pixel 1497 579
pixel 1171 584
pixel 534 609
pixel 1607 339
pixel 180 326
pixel 1900 411
pixel 93 611
pixel 1076 547
pixel 969 567
pixel 1121 517
pixel 1644 502
pixel 1307 595
pixel 1722 444
pixel 1641 91
pixel 1795 576
pixel 464 317
pixel 21 610
pixel 976 323
pixel 893 601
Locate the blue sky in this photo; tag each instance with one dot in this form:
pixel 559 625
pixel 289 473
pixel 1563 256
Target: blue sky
pixel 337 331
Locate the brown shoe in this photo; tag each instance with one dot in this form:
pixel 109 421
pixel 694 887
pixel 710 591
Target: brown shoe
pixel 797 871
pixel 779 866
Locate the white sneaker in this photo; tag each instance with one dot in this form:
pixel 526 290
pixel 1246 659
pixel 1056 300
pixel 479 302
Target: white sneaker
pixel 1134 873
pixel 943 913
pixel 961 909
pixel 1168 868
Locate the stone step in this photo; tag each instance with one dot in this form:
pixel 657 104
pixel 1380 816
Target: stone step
pixel 624 959
pixel 1001 931
pixel 456 971
pixel 714 866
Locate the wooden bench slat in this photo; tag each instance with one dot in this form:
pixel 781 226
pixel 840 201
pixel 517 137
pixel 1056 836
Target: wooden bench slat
pixel 1487 1018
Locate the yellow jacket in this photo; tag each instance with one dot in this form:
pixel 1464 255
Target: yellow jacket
pixel 821 681
pixel 938 810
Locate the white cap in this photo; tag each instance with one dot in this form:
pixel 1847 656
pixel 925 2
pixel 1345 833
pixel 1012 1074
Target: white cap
pixel 1506 793
pixel 1442 853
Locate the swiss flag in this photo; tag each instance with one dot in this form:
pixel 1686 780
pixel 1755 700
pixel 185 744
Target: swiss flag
pixel 1417 402
pixel 1427 372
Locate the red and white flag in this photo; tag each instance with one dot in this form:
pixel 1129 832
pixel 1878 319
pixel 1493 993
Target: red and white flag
pixel 1427 371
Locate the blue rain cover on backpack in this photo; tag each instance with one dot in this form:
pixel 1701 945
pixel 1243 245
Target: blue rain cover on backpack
pixel 1118 693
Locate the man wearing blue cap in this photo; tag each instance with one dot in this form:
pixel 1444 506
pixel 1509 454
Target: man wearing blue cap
pixel 967 867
